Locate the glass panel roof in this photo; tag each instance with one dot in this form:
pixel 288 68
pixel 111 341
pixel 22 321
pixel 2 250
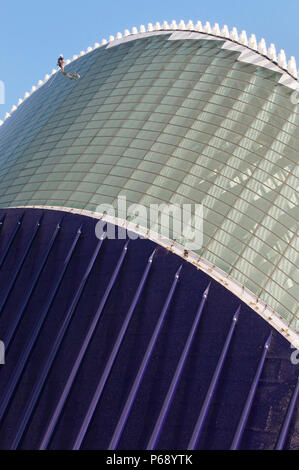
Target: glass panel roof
pixel 174 122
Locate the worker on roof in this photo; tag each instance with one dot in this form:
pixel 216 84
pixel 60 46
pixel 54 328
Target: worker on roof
pixel 60 62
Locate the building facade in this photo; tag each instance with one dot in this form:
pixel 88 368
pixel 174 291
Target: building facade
pixel 153 344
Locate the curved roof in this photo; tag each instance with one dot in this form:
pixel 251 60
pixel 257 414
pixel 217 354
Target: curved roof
pixel 172 117
pixel 251 50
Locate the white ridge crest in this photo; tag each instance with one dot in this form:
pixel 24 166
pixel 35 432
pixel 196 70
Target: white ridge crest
pixel 225 31
pixel 198 27
pixel 288 67
pixel 282 60
pixel 182 25
pixel 216 30
pixel 207 28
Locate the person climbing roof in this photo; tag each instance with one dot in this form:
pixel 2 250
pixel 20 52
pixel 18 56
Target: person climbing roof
pixel 60 62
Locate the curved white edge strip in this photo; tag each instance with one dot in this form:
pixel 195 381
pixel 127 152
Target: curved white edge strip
pixel 287 68
pixel 239 290
pixel 133 37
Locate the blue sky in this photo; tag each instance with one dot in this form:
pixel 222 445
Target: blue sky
pixel 33 32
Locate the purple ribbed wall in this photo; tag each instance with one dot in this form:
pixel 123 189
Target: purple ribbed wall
pixel 65 298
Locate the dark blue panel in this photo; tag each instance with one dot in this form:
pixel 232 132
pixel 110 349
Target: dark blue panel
pixel 99 290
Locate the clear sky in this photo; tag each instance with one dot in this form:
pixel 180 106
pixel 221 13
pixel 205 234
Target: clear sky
pixel 34 32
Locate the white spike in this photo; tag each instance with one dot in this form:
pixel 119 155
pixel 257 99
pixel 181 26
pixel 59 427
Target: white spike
pixel 262 47
pixel 216 30
pixel 1 122
pixel 243 38
pixel 234 34
pixel 225 31
pixel 252 42
pixel 67 62
pixel 190 25
pixel 282 60
pixel 182 25
pixel 272 53
pixel 198 26
pixel 207 28
pixel 292 67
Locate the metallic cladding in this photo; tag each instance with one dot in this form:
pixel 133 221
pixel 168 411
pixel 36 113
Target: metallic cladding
pixel 118 344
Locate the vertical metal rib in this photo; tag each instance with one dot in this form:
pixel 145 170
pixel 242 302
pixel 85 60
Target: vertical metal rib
pixel 243 420
pixel 10 240
pixel 56 414
pixel 41 381
pixel 213 385
pixel 287 420
pixel 14 379
pixel 17 316
pixel 133 392
pixel 177 375
pixel 97 395
pixel 19 265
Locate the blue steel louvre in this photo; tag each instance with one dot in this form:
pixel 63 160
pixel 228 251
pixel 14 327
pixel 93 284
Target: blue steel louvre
pixel 19 265
pixel 123 371
pixel 11 239
pixel 287 420
pixel 14 325
pixel 112 357
pixel 79 359
pixel 247 407
pixel 174 383
pixel 10 387
pixel 128 405
pixel 212 388
pixel 40 382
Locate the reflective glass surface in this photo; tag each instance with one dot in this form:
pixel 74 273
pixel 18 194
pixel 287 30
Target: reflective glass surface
pixel 164 121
